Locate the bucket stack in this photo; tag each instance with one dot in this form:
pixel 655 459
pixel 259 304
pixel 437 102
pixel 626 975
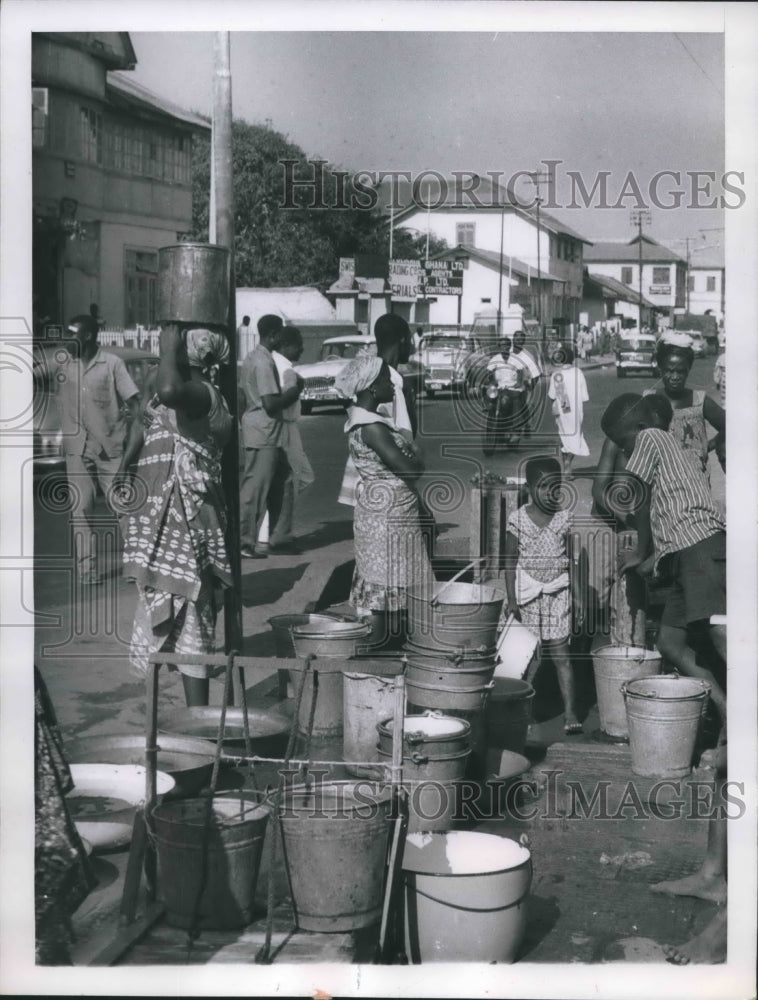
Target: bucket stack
pixel 450 659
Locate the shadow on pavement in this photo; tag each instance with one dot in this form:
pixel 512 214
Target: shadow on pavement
pixel 261 585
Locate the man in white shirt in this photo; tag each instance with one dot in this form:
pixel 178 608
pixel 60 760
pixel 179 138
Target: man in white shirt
pixel 507 376
pixel 523 361
pixel 289 351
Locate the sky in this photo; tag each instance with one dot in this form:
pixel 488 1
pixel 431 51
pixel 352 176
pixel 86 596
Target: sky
pixel 474 101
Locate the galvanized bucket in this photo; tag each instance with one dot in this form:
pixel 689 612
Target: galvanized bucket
pixel 612 666
pixel 664 715
pixel 335 842
pixel 454 615
pixel 368 698
pixel 194 284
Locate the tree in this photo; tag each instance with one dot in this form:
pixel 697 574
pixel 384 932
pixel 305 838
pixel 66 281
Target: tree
pixel 298 245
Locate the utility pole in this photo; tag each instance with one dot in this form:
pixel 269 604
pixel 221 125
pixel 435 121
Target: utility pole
pixel 500 290
pixel 640 217
pixel 223 202
pixel 538 178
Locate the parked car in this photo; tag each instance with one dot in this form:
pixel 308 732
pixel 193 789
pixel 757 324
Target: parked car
pixel 443 358
pixel 336 352
pixel 319 376
pixel 636 353
pixel 48 436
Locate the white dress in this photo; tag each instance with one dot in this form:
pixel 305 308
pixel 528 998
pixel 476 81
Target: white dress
pixel 568 390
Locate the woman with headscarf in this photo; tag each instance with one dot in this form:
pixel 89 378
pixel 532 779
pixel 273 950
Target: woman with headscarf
pixel 390 554
pixel 175 547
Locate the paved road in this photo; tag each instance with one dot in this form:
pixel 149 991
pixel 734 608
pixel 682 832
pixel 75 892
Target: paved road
pixel 450 436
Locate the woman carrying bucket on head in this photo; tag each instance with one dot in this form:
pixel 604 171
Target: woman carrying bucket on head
pixel 390 554
pixel 542 575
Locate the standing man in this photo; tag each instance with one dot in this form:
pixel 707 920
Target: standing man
pixel 393 345
pixel 300 472
pixel 94 386
pixel 266 466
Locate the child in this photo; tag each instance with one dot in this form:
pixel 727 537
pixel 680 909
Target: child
pixel 568 390
pixel 678 526
pixel 541 574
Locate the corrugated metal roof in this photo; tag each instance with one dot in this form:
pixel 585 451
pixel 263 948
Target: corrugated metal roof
pixel 617 289
pixel 629 253
pixel 492 259
pixel 121 87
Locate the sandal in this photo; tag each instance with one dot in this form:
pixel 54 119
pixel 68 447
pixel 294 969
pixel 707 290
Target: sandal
pixel 573 729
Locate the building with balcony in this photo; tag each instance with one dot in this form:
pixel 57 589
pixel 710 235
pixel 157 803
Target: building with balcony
pixel 111 179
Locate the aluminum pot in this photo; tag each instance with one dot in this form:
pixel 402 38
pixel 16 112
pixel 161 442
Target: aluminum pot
pixel 339 640
pixel 430 733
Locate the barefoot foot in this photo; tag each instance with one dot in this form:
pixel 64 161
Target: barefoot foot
pixel 701 884
pixel 708 947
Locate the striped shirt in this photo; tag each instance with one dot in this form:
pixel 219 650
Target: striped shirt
pixel 682 512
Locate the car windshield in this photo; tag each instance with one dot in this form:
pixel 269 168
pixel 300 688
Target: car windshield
pixel 347 350
pixel 451 343
pixel 635 344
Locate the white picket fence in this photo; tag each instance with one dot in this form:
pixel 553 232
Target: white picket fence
pixel 140 336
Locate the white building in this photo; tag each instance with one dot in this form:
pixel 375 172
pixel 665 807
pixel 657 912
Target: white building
pixel 498 220
pixel 663 271
pixel 706 284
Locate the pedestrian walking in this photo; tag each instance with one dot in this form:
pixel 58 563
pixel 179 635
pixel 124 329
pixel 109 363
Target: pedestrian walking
pixel 266 467
pixel 568 391
pixel 175 546
pixel 542 575
pixel 390 552
pixel 681 533
pixel 99 442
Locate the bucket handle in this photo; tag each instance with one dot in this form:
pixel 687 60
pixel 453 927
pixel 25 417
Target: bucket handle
pixel 652 695
pixel 436 600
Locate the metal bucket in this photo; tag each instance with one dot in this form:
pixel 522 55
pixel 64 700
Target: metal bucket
pixel 335 842
pixel 229 874
pixel 449 698
pixel 368 698
pixel 664 715
pixel 333 639
pixel 431 733
pixel 423 766
pixel 193 284
pixel 427 671
pixel 612 666
pixel 432 805
pixel 508 714
pixel 465 897
pixel 462 658
pixel 324 684
pixel 517 647
pixel 282 624
pixel 454 615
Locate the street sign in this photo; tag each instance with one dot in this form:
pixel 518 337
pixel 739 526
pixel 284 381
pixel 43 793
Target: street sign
pixel 443 277
pixel 406 278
